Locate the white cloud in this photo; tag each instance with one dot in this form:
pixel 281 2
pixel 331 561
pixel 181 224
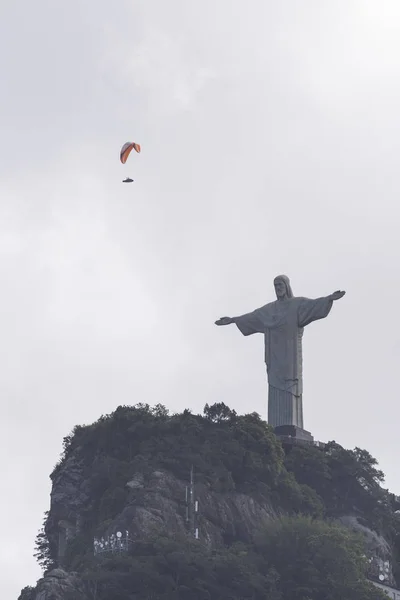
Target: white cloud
pixel 155 63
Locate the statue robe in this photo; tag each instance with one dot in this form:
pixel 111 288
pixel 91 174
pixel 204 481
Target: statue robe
pixel 282 322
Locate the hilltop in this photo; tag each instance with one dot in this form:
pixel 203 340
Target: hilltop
pixel 272 522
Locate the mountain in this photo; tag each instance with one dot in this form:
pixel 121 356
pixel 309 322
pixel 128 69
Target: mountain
pixel 193 507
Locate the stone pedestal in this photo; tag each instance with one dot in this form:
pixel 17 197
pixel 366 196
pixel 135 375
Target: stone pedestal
pixel 293 434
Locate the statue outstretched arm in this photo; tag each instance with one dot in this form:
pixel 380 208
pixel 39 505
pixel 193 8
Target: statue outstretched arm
pixel 225 321
pixel 319 308
pixel 337 295
pixel 248 324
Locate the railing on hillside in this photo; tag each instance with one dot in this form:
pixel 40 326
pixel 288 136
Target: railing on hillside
pixel 379 570
pixel 287 439
pixel 114 543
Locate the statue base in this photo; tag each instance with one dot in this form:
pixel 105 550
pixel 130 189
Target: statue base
pixel 291 434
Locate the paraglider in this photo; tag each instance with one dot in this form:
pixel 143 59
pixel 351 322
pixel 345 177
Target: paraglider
pixel 127 149
pixel 124 154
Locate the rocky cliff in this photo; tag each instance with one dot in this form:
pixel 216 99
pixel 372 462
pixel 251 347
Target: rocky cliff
pixel 139 474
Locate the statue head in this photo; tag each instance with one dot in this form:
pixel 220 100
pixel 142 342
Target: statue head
pixel 282 287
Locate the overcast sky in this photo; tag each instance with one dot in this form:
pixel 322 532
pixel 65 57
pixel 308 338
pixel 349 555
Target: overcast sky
pixel 270 144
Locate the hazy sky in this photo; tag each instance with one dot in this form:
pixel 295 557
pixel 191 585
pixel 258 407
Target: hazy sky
pixel 270 144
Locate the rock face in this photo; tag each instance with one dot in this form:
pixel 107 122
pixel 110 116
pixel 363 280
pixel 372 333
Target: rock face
pixel 154 502
pixel 376 547
pixel 157 501
pixel 69 494
pixel 161 505
pixel 59 585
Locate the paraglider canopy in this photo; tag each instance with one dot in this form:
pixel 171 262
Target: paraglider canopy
pixel 127 149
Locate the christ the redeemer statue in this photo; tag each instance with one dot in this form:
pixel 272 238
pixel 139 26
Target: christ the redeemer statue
pixel 282 322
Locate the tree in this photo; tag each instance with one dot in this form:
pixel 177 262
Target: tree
pixel 219 412
pixel 347 481
pixel 309 466
pixel 160 411
pixel 181 569
pixel 316 560
pixel 43 552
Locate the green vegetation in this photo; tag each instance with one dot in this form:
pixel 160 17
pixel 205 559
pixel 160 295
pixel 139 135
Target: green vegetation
pixel 228 452
pixel 291 559
pixel 302 555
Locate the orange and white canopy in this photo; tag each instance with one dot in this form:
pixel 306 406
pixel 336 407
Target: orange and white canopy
pixel 127 149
